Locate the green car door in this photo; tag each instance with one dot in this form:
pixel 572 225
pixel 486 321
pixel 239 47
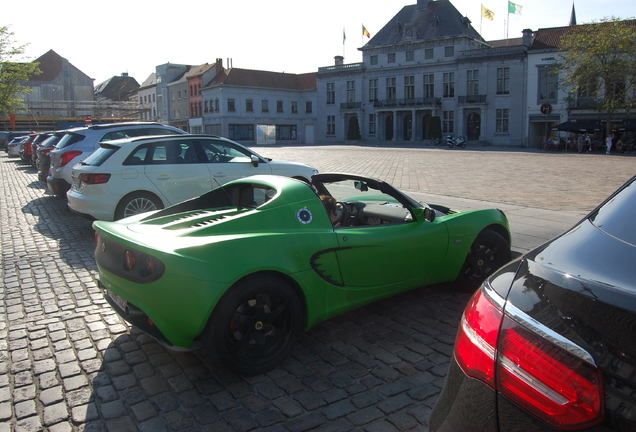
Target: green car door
pixel 387 254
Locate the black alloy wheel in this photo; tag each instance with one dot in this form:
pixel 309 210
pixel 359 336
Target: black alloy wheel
pixel 488 252
pixel 255 324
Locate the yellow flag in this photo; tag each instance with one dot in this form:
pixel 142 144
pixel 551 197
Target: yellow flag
pixel 487 13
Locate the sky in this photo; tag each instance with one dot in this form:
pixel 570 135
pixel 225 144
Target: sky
pixel 105 39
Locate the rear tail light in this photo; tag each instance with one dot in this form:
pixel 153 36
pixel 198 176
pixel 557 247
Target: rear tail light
pixel 553 384
pixel 94 178
pixel 145 265
pixel 68 156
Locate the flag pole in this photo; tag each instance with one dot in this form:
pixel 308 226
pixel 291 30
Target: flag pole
pixel 507 21
pixel 481 19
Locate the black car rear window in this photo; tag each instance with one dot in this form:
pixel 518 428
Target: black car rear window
pixel 616 216
pixel 100 155
pixel 69 139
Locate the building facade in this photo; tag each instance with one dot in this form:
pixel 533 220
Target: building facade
pixel 427 62
pixel 147 98
pixel 196 77
pixel 259 107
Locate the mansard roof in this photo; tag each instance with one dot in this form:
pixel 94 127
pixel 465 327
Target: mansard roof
pixel 264 79
pixel 428 19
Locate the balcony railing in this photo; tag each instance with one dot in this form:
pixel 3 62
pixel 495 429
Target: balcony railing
pixel 411 102
pixel 472 99
pixel 582 103
pixel 350 105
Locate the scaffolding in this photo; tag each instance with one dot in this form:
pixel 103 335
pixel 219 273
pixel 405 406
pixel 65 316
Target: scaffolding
pixel 52 115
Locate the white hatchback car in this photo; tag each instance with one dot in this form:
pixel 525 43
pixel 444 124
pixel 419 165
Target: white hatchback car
pixel 77 143
pixel 136 175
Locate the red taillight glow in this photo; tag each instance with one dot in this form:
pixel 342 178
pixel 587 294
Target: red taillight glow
pixel 551 383
pixel 546 380
pixel 96 237
pixel 68 156
pixel 94 178
pixel 477 339
pixel 129 260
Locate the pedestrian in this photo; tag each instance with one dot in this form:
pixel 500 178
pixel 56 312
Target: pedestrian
pixel 580 141
pixel 608 143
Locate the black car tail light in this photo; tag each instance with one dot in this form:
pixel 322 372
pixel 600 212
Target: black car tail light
pixel 477 339
pixel 548 381
pixel 553 384
pixel 94 178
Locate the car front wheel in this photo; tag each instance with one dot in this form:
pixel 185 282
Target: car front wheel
pixel 136 203
pixel 488 252
pixel 255 325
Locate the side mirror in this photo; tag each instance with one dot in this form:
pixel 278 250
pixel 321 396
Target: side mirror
pixel 361 186
pixel 429 214
pixel 255 161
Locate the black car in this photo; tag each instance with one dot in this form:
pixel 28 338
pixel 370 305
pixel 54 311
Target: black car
pixel 549 341
pixel 43 157
pixel 36 144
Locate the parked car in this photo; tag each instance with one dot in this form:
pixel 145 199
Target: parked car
pixel 549 341
pixel 8 137
pixel 248 266
pixel 37 142
pixel 25 148
pixel 80 142
pixel 13 149
pixel 126 177
pixel 43 155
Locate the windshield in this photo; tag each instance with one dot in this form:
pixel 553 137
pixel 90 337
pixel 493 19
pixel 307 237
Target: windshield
pixel 69 139
pixel 616 216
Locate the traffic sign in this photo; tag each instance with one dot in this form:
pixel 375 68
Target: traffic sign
pixel 546 109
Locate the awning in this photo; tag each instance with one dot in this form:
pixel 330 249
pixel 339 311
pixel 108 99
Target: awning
pixel 581 127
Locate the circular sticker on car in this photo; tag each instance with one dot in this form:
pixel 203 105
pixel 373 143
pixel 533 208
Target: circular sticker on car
pixel 304 216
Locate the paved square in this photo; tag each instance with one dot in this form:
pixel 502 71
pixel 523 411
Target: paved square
pixel 69 363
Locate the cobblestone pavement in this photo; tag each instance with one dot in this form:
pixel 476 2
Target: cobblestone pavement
pixel 68 363
pixel 530 178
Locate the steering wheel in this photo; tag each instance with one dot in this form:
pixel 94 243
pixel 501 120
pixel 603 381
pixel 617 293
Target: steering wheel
pixel 216 158
pixel 342 214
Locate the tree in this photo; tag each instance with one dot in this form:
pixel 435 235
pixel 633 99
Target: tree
pixel 598 62
pixel 13 73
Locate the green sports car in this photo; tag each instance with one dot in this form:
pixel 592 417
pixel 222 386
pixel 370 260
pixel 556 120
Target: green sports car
pixel 244 268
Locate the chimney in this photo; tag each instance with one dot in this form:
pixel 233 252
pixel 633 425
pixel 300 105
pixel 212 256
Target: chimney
pixel 422 5
pixel 339 60
pixel 526 39
pixel 219 66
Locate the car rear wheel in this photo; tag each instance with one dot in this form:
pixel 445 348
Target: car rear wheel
pixel 488 252
pixel 136 203
pixel 255 325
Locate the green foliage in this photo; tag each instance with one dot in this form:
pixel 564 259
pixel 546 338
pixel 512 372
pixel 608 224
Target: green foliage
pixel 13 73
pixel 435 127
pixel 598 62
